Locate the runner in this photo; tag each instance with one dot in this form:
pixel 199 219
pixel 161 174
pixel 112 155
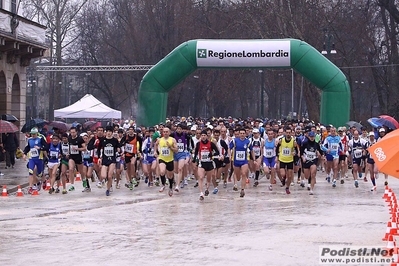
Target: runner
pixel 370 161
pixel 343 161
pixel 381 133
pixel 226 163
pixel 310 152
pixel 257 154
pixel 241 148
pixel 223 151
pixel 88 164
pixel 76 146
pixel 357 149
pixel 107 149
pixel 195 139
pixel 286 152
pixel 64 161
pixel 182 140
pixel 149 160
pixel 332 146
pixel 35 148
pixel 166 146
pixel 205 152
pixel 132 145
pixel 269 157
pixel 54 152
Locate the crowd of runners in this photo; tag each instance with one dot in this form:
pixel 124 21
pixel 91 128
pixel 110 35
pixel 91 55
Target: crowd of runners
pixel 212 153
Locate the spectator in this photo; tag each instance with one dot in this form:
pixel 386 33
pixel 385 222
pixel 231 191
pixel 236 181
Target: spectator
pixel 10 145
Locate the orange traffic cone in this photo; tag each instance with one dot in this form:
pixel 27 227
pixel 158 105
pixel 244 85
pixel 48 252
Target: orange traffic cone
pixel 35 193
pixel 19 192
pixel 395 257
pixel 389 226
pixel 391 245
pixel 78 177
pixel 4 193
pixel 389 195
pixel 48 185
pixel 394 226
pixel 385 192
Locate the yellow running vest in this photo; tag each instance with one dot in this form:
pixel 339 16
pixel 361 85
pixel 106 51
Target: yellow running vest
pixel 165 153
pixel 285 151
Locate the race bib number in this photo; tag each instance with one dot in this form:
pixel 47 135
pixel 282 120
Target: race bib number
pixel 358 153
pixel 269 153
pixel 165 152
pixel 74 149
pixel 151 153
pixel 286 151
pixel 180 147
pixel 109 151
pixel 118 159
pixel 95 153
pixel 34 153
pixel 53 154
pixel 129 148
pixel 65 150
pixel 310 156
pixel 256 151
pixel 205 157
pixel 86 154
pixel 334 146
pixel 240 155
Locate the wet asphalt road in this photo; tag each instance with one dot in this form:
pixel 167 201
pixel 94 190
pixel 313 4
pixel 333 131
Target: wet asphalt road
pixel 145 227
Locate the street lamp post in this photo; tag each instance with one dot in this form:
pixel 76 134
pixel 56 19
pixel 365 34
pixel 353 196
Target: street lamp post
pixel 262 96
pixel 328 45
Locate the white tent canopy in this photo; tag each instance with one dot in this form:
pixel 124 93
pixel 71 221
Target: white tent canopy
pixel 88 107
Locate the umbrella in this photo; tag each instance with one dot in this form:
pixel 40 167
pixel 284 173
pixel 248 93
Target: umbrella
pixel 388 121
pixel 7 127
pixel 373 122
pixel 60 125
pixel 89 124
pixel 355 124
pixel 386 154
pixel 37 122
pixel 9 118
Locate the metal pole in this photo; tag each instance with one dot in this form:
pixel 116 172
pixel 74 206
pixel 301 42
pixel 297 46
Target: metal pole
pixel 262 96
pixel 292 92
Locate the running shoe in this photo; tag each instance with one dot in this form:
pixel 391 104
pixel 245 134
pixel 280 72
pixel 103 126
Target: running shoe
pixel 287 190
pixel 134 182
pixel 131 186
pixel 57 190
pixel 64 191
pixel 185 183
pixel 118 186
pixel 292 183
pixel 242 193
pixel 270 187
pixel 151 184
pixel 99 185
pixel 225 185
pixel 334 183
pixel 302 183
pixel 201 196
pixel 107 193
pixel 356 184
pixel 247 181
pixel 84 182
pixel 274 182
pixel 342 181
pixel 328 179
pixel 196 184
pixel 146 180
pixel 181 185
pixel 235 188
pixel 177 189
pixel 256 183
pixel 38 186
pixel 170 192
pixel 86 189
pixel 360 175
pixel 111 189
pixel 72 188
pixel 308 186
pixel 51 190
pixel 44 184
pixel 311 192
pixel 374 188
pixel 346 176
pixel 162 189
pixel 215 190
pixel 30 190
pixel 298 181
pixel 386 183
pixel 206 192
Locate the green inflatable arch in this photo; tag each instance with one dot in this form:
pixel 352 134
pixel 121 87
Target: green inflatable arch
pixel 280 53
